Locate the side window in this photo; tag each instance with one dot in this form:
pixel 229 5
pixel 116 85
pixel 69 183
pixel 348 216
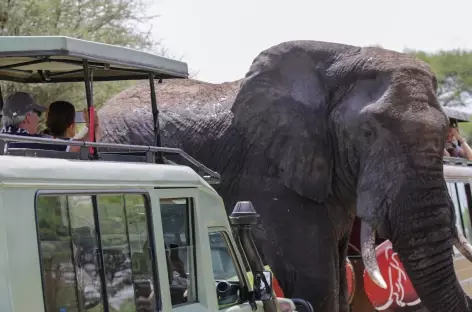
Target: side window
pixel 127 256
pixel 87 247
pixel 460 195
pixel 451 187
pixel 57 255
pixel 179 238
pixel 463 192
pixel 228 286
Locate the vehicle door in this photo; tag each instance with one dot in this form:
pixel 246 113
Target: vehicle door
pixel 460 193
pixel 185 236
pixel 177 216
pixel 228 273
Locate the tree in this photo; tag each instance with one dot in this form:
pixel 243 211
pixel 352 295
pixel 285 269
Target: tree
pixel 109 21
pixel 453 71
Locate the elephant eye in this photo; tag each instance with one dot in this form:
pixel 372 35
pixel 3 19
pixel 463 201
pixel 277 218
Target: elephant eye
pixel 369 134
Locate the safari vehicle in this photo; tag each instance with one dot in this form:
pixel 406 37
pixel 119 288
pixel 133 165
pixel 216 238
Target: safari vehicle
pixel 458 174
pixel 400 293
pixel 117 227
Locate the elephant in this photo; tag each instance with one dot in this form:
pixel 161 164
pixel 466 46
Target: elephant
pixel 315 135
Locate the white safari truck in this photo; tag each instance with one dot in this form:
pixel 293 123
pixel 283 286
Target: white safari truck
pixel 117 228
pixel 458 175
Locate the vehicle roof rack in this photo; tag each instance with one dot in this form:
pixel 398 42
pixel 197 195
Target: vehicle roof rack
pixel 457 114
pixel 122 152
pixel 49 59
pixel 458 161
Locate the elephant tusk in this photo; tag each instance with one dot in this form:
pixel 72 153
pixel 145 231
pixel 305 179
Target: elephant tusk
pixel 461 243
pixel 368 255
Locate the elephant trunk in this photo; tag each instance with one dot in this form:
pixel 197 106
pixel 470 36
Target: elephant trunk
pixel 423 236
pixel 422 230
pixel 369 254
pixel 433 277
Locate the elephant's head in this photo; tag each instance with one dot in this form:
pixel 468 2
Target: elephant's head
pixel 364 126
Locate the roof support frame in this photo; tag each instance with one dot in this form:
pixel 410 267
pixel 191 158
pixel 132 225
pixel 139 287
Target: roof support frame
pixel 1 100
pixel 155 116
pixel 38 61
pixel 88 74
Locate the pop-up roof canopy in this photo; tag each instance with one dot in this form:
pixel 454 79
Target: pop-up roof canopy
pixel 458 115
pixel 53 59
pixel 48 59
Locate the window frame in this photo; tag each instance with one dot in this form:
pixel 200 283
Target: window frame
pixel 240 271
pixel 464 211
pixel 93 193
pixel 191 227
pixel 454 194
pixel 453 187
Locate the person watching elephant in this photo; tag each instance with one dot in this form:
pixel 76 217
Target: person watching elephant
pixel 20 115
pixel 61 124
pixel 461 149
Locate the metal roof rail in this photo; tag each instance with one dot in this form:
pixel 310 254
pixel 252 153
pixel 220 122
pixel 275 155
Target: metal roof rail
pixel 457 161
pixel 209 175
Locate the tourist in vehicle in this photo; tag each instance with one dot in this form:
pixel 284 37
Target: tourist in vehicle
pixel 461 149
pixel 21 114
pixel 61 124
pixel 21 117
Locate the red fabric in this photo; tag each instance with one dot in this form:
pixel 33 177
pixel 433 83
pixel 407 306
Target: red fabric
pixel 277 289
pixel 91 126
pixel 400 291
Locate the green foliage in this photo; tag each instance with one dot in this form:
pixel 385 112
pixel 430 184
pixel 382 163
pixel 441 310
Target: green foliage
pixel 453 71
pixel 108 21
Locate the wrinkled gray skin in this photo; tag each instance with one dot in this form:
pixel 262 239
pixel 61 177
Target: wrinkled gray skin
pixel 318 133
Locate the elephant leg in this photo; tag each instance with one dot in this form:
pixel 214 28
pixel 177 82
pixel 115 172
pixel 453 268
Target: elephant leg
pixel 313 254
pixel 317 277
pixel 307 269
pixel 300 242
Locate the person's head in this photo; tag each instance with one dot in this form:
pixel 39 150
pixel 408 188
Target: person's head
pixel 452 127
pixel 61 119
pixel 21 110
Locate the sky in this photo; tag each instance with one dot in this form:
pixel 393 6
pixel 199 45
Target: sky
pixel 220 38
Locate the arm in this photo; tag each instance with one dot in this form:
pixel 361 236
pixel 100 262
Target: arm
pixel 84 135
pixel 466 148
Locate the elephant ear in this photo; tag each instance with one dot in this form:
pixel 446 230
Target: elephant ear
pixel 282 110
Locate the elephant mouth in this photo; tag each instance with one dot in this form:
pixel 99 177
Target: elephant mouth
pixel 370 259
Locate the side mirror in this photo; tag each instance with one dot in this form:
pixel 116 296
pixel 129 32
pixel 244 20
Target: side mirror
pixel 263 286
